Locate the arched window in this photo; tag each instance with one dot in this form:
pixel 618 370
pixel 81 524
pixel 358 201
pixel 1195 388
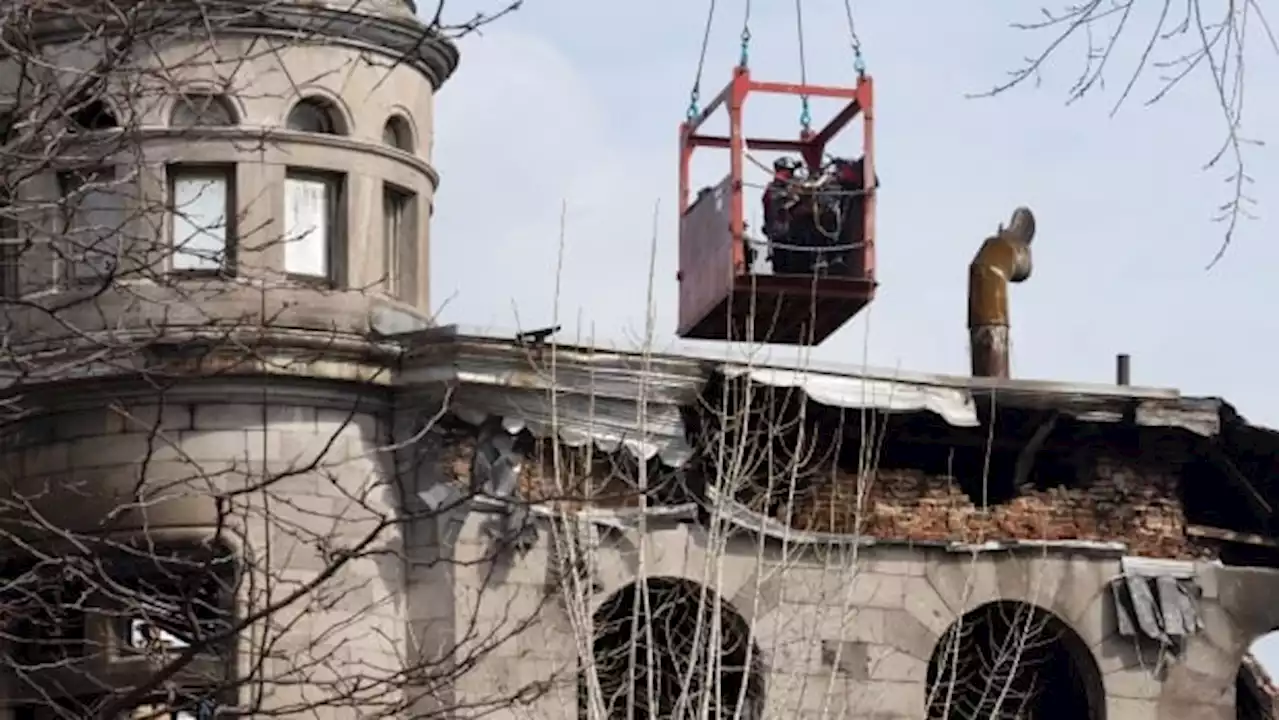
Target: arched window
pixel 202 109
pixel 1013 659
pixel 92 115
pixel 316 115
pixel 670 627
pixel 397 133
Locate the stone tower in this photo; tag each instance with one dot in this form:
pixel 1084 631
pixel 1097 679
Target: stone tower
pixel 208 210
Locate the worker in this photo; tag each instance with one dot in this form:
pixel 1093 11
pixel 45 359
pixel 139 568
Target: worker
pixel 775 219
pixel 777 226
pixel 850 188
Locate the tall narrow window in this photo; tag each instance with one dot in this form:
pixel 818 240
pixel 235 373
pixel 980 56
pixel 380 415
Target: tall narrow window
pixel 201 201
pixel 312 227
pixel 10 247
pixel 93 205
pixel 399 237
pixel 10 244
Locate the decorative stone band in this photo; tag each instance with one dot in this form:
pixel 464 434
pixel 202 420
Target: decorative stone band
pixel 209 328
pixel 242 133
pixel 404 38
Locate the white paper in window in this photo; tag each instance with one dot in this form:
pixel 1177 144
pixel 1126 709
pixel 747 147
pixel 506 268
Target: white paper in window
pixel 306 250
pixel 199 222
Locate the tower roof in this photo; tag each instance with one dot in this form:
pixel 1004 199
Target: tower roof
pixel 390 24
pixel 396 9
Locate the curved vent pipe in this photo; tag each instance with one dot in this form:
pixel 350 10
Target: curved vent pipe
pixel 1003 258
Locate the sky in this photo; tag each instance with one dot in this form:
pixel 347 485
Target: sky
pixel 573 107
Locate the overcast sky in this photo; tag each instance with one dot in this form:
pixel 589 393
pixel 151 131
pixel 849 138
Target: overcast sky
pixel 579 102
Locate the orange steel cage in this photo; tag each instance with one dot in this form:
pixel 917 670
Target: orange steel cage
pixel 720 298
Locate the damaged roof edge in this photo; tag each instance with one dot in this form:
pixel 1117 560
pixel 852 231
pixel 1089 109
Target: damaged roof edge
pixel 727 357
pixel 608 384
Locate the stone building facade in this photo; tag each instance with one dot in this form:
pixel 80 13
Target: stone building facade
pixel 840 609
pixel 204 207
pixel 851 592
pixel 241 473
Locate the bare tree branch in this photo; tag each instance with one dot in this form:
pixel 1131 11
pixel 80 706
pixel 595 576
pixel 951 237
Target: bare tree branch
pixel 1198 38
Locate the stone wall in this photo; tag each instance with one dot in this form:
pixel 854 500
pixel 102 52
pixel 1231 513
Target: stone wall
pixel 481 627
pixel 836 632
pixel 840 629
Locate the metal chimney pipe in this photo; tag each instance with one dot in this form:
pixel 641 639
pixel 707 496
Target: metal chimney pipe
pixel 1122 369
pixel 1003 258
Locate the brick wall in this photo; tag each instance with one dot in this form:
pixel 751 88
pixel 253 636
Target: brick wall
pixel 609 480
pixel 1118 501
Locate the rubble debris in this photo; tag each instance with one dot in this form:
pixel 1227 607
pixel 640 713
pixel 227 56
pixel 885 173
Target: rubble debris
pixel 495 473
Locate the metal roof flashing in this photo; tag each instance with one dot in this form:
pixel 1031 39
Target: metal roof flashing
pixel 634 398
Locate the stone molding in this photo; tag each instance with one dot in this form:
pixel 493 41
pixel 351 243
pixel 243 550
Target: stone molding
pixel 404 39
pixel 258 133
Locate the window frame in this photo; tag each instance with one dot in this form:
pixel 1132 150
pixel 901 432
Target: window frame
pixel 401 129
pixel 210 673
pixel 221 100
pixel 65 268
pixel 227 171
pixel 11 248
pixel 334 117
pixel 336 243
pixel 400 253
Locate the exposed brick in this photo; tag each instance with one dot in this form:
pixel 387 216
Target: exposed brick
pixel 1119 500
pixel 604 482
pixel 1139 506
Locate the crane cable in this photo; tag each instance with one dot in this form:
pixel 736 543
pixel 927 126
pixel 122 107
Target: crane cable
pixel 702 59
pixel 859 64
pixel 805 117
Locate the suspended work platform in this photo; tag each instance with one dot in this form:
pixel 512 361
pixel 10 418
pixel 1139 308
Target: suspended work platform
pixel 820 242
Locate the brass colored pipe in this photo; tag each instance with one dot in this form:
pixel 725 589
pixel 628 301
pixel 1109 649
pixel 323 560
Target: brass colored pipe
pixel 1003 258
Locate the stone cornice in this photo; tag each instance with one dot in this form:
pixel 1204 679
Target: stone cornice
pixel 241 133
pixel 402 38
pixel 285 391
pixel 205 328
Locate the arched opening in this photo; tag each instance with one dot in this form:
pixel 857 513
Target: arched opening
pixel 1016 661
pixel 661 652
pixel 397 133
pixel 316 115
pixel 92 115
pixel 202 109
pixel 1255 689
